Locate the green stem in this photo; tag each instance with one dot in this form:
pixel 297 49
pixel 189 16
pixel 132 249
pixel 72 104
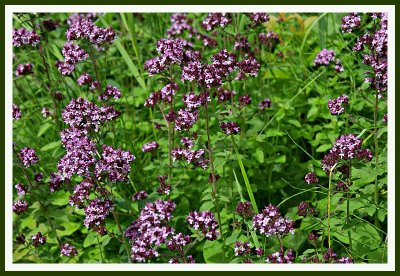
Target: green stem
pixel 123 238
pixel 101 253
pixel 213 179
pixel 246 180
pixel 376 197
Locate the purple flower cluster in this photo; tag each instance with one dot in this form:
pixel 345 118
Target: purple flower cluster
pixel 139 196
pixel 178 242
pixel 81 193
pixel 96 212
pixel 81 113
pixel 79 157
pixel 114 162
pixel 259 17
pixel 214 20
pixel 55 182
pixel 84 79
pixel 24 69
pixel 280 258
pixel 241 44
pixel 28 157
pixel 351 22
pixel 73 53
pixel 46 112
pixel 347 147
pixel 376 55
pixel 168 91
pixel 270 222
pixel 324 57
pixel 65 68
pixel 244 209
pixel 187 142
pixel 336 106
pixel 266 103
pixel 164 188
pixel 305 209
pixel 193 101
pixel 230 128
pixel 68 250
pixel 242 248
pixel 244 100
pixel 22 36
pixel 185 119
pixel 84 28
pixel 311 178
pixel 16 112
pixel 195 157
pixel 150 146
pixel 385 118
pixel 38 239
pixel 150 229
pixel 204 222
pixel 38 177
pixel 21 189
pixel 248 66
pixel 269 40
pixel 224 95
pixel 339 66
pixel 19 206
pixel 110 92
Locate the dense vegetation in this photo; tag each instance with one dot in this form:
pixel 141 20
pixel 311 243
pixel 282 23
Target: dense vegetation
pixel 207 138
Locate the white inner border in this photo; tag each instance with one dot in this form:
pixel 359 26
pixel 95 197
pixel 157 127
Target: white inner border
pixel 9 266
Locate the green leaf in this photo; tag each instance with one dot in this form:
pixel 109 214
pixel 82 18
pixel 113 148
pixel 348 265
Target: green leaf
pixel 207 206
pixel 59 198
pixel 51 146
pixel 213 252
pixel 259 155
pixel 294 122
pixel 295 240
pixel 43 128
pixel 233 237
pixel 280 159
pixel 323 148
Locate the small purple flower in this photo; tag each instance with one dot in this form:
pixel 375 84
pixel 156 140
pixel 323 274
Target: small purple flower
pixel 345 260
pixel 351 22
pixel 330 256
pixel 38 177
pixel 339 66
pixel 214 20
pixel 324 57
pixel 19 206
pixel 139 196
pixel 311 178
pixel 153 99
pixel 114 162
pixel 266 103
pixel 259 17
pixel 244 209
pixel 164 188
pixel 312 237
pixel 96 212
pixel 38 239
pixel 305 209
pixel 28 156
pixel 230 128
pixel 204 222
pixel 55 182
pixel 336 106
pixel 244 100
pixel 225 95
pixel 20 239
pixel 68 250
pixel 16 112
pixel 269 40
pixel 22 36
pixel 259 251
pixel 21 189
pixel 46 112
pixel 150 146
pixel 65 68
pixel 178 242
pixel 280 258
pixel 187 142
pixel 24 69
pixel 111 91
pixel 193 101
pixel 168 91
pixel 81 193
pixel 242 248
pixel 73 53
pixel 84 79
pixel 270 222
pixel 185 119
pixel 385 118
